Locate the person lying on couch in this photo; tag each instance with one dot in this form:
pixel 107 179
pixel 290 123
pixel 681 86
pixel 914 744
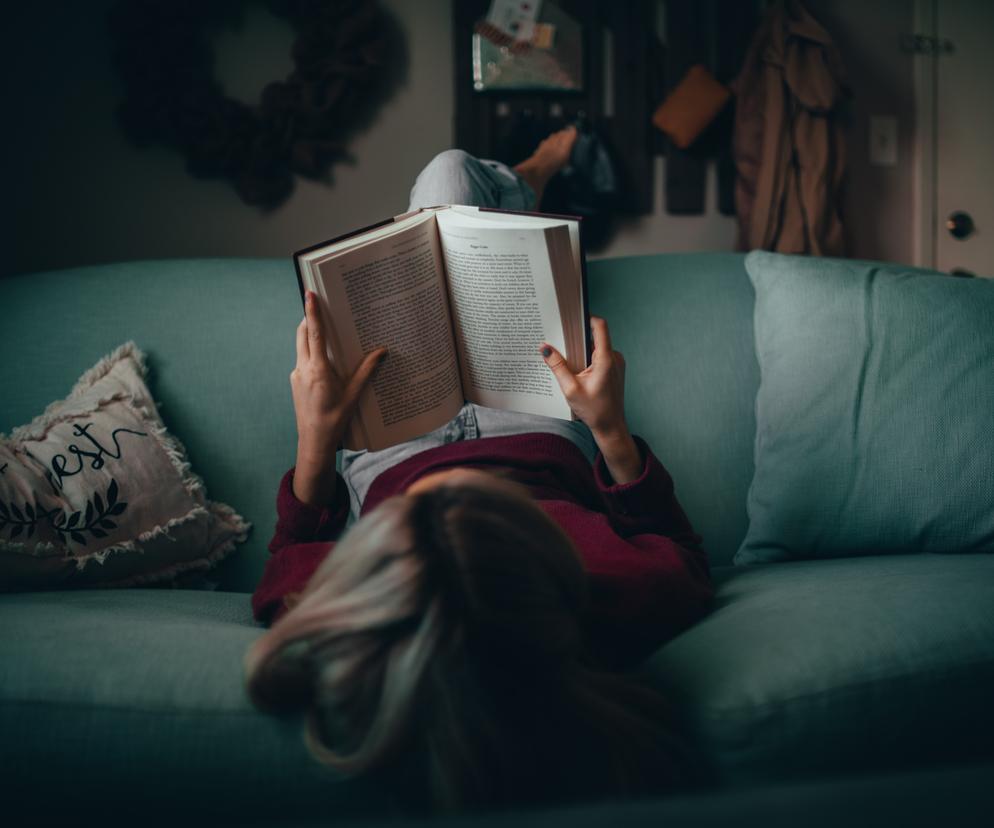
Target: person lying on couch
pixel 461 637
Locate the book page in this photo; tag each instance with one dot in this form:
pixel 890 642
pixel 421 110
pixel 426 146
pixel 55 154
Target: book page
pixel 504 304
pixel 567 261
pixel 391 292
pixel 499 218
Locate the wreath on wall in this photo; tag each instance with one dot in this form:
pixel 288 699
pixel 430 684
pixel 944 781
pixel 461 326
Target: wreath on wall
pixel 348 56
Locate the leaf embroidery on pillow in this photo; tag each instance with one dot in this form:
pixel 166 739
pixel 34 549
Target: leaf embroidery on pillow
pixel 94 519
pixel 23 520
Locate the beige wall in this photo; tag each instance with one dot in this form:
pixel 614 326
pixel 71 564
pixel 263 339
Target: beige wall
pixel 879 200
pixel 84 195
pixel 78 193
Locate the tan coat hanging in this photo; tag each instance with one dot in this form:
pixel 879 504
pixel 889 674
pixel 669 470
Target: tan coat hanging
pixel 789 139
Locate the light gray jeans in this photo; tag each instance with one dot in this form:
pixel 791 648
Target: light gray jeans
pixel 456 177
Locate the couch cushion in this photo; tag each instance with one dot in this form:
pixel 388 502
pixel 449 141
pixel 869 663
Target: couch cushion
pixel 106 694
pixel 840 665
pixel 874 427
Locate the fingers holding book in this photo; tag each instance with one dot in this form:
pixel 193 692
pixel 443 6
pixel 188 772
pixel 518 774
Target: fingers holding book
pixel 597 396
pixel 312 351
pixel 310 334
pixel 323 402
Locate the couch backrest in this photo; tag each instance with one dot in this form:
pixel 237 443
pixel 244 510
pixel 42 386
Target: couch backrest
pixel 684 324
pixel 219 334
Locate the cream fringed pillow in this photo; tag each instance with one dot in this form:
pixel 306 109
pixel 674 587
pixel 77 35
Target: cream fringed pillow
pixel 96 492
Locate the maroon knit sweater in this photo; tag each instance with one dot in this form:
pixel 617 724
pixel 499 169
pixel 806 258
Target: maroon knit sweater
pixel 648 576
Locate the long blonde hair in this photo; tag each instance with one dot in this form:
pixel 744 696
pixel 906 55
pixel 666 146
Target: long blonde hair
pixel 444 632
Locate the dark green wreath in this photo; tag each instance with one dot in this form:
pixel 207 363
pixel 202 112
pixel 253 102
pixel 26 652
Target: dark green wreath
pixel 347 57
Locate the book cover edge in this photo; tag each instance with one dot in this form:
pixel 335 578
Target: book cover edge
pixel 312 247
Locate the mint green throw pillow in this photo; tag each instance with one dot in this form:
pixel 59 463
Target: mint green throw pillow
pixel 875 411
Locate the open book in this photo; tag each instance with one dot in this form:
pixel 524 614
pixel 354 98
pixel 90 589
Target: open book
pixel 462 297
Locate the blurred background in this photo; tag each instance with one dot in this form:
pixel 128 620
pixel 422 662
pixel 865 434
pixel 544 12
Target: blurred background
pixel 917 123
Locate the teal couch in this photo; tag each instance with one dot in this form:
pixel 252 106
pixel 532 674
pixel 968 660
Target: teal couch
pixel 807 682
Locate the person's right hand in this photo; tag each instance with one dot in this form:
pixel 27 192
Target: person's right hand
pixel 323 404
pixel 597 397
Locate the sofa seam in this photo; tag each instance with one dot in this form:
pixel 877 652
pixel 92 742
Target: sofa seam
pixel 198 711
pixel 807 698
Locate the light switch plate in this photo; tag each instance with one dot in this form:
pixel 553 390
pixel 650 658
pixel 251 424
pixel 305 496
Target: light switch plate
pixel 883 140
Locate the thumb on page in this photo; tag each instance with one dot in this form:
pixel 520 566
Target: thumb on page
pixel 557 364
pixel 364 372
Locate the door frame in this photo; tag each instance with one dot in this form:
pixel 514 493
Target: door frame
pixel 925 168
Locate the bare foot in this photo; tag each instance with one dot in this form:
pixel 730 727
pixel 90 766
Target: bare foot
pixel 548 159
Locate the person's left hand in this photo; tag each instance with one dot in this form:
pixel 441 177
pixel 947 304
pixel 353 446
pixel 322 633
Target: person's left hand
pixel 597 393
pixel 597 397
pixel 323 403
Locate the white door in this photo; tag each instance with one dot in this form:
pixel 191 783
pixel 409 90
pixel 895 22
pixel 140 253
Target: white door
pixel 964 136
